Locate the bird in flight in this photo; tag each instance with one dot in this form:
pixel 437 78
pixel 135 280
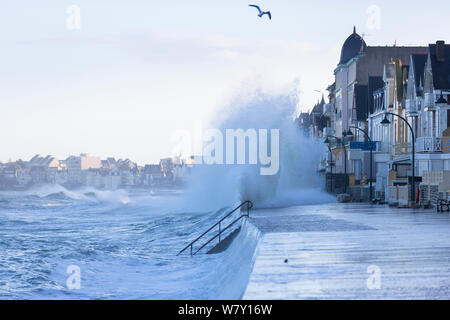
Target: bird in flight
pixel 261 13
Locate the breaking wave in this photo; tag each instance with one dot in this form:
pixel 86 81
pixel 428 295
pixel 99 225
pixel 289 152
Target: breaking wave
pixel 58 192
pixel 297 181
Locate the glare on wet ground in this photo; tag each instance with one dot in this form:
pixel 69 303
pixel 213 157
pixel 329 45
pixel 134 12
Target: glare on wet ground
pixel 351 251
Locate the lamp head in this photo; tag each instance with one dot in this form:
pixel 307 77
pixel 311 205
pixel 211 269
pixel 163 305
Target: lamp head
pixel 385 121
pixel 441 100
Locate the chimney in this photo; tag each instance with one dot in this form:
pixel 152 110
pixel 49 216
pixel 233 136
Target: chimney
pixel 440 51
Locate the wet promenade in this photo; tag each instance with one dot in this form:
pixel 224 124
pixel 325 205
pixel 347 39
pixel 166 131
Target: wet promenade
pixel 351 251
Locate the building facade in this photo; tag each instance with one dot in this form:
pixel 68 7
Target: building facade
pixel 412 83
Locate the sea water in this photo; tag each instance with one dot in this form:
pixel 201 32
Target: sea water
pixel 125 243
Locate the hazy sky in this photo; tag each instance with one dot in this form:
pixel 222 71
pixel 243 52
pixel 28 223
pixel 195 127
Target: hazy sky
pixel 138 70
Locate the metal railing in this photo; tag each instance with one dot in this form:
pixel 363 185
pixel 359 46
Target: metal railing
pixel 221 231
pixel 402 148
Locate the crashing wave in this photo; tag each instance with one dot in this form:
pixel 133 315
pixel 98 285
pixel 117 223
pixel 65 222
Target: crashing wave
pixel 296 182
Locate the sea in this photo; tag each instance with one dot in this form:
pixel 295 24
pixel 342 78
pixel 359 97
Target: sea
pixel 57 243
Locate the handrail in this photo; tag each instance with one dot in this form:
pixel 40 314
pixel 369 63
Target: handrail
pixel 249 206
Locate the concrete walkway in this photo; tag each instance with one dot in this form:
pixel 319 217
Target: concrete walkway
pixel 351 251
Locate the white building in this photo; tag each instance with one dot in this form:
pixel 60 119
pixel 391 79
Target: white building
pixel 77 164
pixel 420 94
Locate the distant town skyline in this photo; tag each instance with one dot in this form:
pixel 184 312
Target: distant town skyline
pixel 91 171
pixel 83 154
pixel 131 75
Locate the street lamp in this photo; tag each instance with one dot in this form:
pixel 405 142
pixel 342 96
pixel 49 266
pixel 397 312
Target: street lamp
pixel 441 100
pixel 439 103
pixel 349 133
pixel 371 170
pixel 327 141
pixel 386 122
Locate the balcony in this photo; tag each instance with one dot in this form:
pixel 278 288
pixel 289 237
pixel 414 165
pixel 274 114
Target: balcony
pixel 428 144
pixel 402 148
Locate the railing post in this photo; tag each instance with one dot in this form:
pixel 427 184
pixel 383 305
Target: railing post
pixel 191 250
pixel 220 232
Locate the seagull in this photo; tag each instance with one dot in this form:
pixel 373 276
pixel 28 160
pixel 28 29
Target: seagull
pixel 261 13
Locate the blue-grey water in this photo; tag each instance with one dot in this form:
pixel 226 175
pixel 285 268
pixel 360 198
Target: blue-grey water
pixel 124 243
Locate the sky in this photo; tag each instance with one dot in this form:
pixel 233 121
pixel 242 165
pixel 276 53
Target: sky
pixel 132 73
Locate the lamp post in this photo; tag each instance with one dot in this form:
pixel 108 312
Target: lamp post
pixel 387 122
pixel 327 141
pixel 370 140
pixel 344 135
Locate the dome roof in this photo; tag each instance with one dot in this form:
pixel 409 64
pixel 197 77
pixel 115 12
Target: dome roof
pixel 353 46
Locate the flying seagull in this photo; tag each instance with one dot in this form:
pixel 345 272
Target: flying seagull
pixel 261 13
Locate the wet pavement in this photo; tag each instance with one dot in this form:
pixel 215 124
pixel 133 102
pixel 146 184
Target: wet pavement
pixel 351 251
